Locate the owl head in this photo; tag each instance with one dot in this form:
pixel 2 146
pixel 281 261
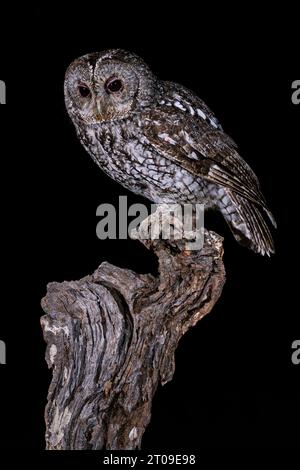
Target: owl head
pixel 108 85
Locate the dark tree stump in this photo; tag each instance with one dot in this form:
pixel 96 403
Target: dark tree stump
pixel 111 338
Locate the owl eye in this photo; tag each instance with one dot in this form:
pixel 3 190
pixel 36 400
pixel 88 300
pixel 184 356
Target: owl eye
pixel 84 91
pixel 113 85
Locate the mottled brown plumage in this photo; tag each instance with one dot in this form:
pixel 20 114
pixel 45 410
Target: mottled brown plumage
pixel 158 139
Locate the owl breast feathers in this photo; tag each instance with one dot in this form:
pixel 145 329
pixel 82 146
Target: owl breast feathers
pixel 159 140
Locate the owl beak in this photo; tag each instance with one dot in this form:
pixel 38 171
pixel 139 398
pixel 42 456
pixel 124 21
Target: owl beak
pixel 102 109
pixel 99 110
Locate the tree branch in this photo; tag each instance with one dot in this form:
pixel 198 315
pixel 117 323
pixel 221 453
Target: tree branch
pixel 111 338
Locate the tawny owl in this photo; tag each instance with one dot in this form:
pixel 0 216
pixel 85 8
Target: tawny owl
pixel 159 140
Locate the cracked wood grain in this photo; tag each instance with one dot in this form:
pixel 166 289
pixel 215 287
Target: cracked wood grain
pixel 111 338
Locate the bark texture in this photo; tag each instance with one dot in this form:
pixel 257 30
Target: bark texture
pixel 111 338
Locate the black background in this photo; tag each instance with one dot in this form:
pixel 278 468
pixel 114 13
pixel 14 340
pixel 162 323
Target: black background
pixel 235 385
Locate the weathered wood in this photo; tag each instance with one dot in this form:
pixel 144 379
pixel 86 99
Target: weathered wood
pixel 111 338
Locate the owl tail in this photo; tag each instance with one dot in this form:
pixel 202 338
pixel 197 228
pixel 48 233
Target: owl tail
pixel 248 225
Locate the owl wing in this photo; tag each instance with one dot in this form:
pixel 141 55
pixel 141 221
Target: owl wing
pixel 202 148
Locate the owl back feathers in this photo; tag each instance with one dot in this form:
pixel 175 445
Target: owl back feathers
pixel 206 151
pixel 247 223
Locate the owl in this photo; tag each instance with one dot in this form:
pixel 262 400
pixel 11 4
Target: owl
pixel 159 140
